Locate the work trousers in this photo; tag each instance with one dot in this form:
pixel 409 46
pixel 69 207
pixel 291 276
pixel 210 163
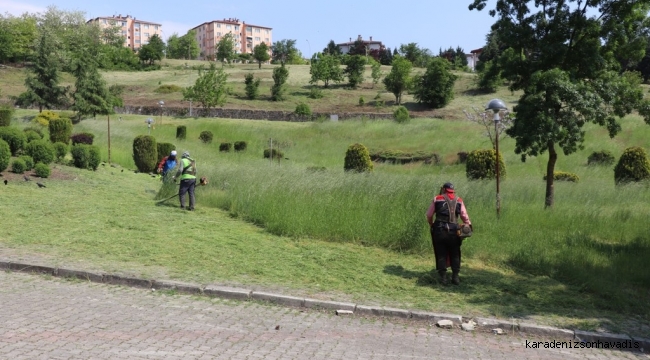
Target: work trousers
pixel 446 244
pixel 187 186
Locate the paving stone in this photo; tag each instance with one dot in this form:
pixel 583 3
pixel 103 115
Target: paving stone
pixel 181 287
pixel 548 331
pixel 226 292
pixel 594 336
pixel 278 299
pixel 369 310
pixel 329 305
pixel 507 326
pixel 81 275
pixel 22 267
pixel 400 313
pixel 127 281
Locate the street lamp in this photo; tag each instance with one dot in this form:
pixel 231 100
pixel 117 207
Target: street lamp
pixel 149 121
pixel 161 103
pixel 310 54
pixel 497 106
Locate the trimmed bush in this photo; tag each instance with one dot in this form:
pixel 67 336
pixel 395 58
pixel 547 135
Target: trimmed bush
pixel 14 137
pixel 145 153
pixel 36 129
pixel 168 89
pixel 206 136
pixel 41 151
pixel 80 155
pixel 401 114
pixel 303 109
pixel 32 135
pixel 82 138
pixel 402 157
pixel 181 132
pixel 362 101
pixel 632 166
pixel 60 130
pixel 225 147
pixel 357 159
pixel 5 155
pixel 18 166
pixel 276 154
pixel 60 151
pixel 164 149
pixel 462 157
pixel 6 114
pixel 41 170
pixel 601 158
pixel 29 162
pixel 240 145
pixel 481 164
pixel 44 117
pixel 94 157
pixel 252 86
pixel 564 176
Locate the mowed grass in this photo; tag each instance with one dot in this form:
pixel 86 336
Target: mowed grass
pixel 364 237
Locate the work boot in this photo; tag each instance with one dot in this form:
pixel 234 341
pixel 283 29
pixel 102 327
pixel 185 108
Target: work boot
pixel 443 278
pixel 455 279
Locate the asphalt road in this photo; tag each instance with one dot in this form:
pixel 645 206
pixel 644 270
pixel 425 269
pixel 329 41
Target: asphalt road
pixel 50 318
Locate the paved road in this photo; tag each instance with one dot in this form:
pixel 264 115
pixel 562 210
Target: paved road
pixel 50 318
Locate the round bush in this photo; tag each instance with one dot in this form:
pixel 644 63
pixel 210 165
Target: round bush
pixel 206 136
pixel 14 137
pixel 41 170
pixel 29 162
pixel 601 158
pixel 240 145
pixel 276 154
pixel 303 109
pixel 357 159
pixel 36 129
pixel 80 155
pixel 60 130
pixel 401 114
pixel 225 147
pixel 18 166
pixel 45 116
pixel 181 132
pixel 82 138
pixel 6 113
pixel 164 149
pixel 632 166
pixel 60 150
pixel 362 101
pixel 31 135
pixel 94 157
pixel 564 176
pixel 145 153
pixel 481 164
pixel 41 151
pixel 5 155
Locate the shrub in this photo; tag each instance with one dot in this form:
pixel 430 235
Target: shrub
pixel 29 162
pixel 600 158
pixel 35 129
pixel 82 138
pixel 240 145
pixel 361 101
pixel 401 114
pixel 462 157
pixel 60 130
pixel 303 109
pixel 14 137
pixel 5 155
pixel 206 136
pixel 60 151
pixel 181 132
pixel 18 166
pixel 164 149
pixel 633 165
pixel 481 164
pixel 280 76
pixel 315 93
pixel 357 159
pixel 168 89
pixel 31 135
pixel 41 170
pixel 564 176
pixel 41 151
pixel 436 87
pixel 44 117
pixel 80 155
pixel 276 154
pixel 94 157
pixel 145 153
pixel 6 113
pixel 252 86
pixel 225 147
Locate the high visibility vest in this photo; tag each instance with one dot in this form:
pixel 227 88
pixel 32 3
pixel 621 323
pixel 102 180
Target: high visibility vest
pixel 186 168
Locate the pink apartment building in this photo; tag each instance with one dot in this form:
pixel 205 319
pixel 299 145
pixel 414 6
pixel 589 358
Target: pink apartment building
pixel 246 36
pixel 135 32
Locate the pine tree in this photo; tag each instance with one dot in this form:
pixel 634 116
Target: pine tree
pixel 91 96
pixel 42 83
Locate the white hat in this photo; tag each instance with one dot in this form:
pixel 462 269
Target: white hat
pixel 173 153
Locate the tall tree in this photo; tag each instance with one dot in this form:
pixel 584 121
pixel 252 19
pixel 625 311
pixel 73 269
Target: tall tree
pixel 154 50
pixel 183 47
pixel 226 48
pixel 399 79
pixel 261 54
pixel 210 89
pixel 332 49
pixel 562 55
pixel 325 68
pixel 283 50
pixel 436 87
pixel 17 35
pixel 42 81
pixel 418 56
pixel 355 66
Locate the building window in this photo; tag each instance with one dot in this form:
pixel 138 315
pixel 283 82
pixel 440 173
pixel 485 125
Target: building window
pixel 249 29
pixel 258 30
pixel 257 38
pixel 266 31
pixel 228 26
pixel 218 25
pixel 136 25
pixel 147 35
pixel 123 23
pixel 146 26
pixel 137 41
pixel 156 27
pixel 219 34
pixel 103 21
pixel 236 27
pixel 267 39
pixel 123 32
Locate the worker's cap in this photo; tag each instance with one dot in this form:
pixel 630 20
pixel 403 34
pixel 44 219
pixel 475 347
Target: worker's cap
pixel 186 154
pixel 173 153
pixel 448 186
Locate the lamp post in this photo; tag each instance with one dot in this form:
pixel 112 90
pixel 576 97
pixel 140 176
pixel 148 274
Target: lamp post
pixel 149 121
pixel 497 106
pixel 310 54
pixel 161 103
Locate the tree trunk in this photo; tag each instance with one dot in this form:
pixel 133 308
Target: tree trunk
pixel 260 64
pixel 550 169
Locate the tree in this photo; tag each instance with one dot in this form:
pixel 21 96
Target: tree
pixel 280 76
pixel 325 68
pixel 416 55
pixel 261 54
pixel 436 87
pixel 183 47
pixel 226 48
pixel 563 58
pixel 376 72
pixel 17 35
pixel 252 86
pixel 42 81
pixel 210 89
pixel 355 66
pixel 152 51
pixel 282 50
pixel 385 56
pixel 399 79
pixel 332 49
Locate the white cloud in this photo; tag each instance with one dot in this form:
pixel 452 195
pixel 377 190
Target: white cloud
pixel 18 8
pixel 170 27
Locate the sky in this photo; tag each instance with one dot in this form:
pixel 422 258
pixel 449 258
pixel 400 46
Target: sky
pixel 432 24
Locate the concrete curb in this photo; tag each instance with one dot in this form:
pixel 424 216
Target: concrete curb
pixel 638 343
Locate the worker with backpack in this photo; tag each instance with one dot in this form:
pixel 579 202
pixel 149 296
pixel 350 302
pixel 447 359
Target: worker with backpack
pixel 187 175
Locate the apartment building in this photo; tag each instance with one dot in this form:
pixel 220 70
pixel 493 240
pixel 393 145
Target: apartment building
pixel 246 36
pixel 368 44
pixel 135 32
